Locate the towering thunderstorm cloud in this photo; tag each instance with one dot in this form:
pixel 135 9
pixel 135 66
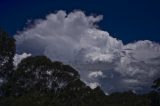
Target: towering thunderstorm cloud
pixel 102 60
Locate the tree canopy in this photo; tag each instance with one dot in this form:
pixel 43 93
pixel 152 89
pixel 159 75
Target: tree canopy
pixel 7 52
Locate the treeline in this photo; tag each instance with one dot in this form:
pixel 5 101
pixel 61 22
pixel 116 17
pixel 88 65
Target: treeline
pixel 38 81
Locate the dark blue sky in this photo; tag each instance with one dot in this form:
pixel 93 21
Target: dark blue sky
pixel 128 20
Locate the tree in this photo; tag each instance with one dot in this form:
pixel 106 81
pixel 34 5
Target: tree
pixel 155 94
pixel 7 52
pixel 39 74
pixel 38 77
pixel 156 84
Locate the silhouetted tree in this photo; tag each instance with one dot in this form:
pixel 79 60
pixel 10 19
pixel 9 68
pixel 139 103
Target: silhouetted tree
pixel 156 84
pixel 7 51
pixel 155 94
pixel 60 84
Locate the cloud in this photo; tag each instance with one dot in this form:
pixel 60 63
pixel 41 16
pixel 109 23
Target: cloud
pixel 17 58
pixel 95 74
pixel 76 39
pixel 93 85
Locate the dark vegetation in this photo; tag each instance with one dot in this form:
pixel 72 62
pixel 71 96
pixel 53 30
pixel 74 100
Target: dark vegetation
pixel 37 81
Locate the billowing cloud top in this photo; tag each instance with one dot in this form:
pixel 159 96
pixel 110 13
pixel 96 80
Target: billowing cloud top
pixel 102 60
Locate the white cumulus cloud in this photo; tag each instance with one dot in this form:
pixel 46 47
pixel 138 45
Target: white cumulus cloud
pixel 18 57
pixel 76 39
pixel 93 85
pixel 95 74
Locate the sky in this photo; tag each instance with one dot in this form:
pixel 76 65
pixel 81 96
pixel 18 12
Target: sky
pixel 129 20
pixel 112 44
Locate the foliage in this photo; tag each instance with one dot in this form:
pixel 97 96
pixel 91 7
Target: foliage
pixel 156 84
pixel 54 81
pixel 7 51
